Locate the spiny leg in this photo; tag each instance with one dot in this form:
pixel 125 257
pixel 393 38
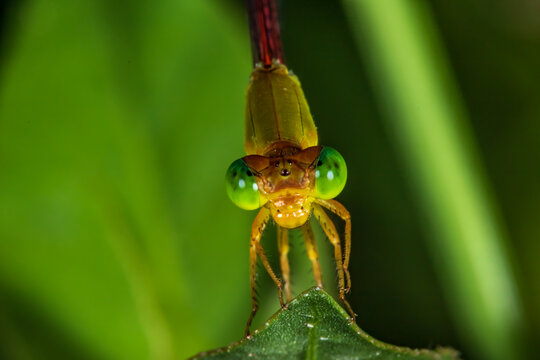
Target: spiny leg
pixel 331 232
pixel 255 248
pixel 271 272
pixel 312 252
pixel 343 213
pixel 283 247
pixel 253 277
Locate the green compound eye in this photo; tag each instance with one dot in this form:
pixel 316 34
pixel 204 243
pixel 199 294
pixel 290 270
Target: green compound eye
pixel 242 187
pixel 330 173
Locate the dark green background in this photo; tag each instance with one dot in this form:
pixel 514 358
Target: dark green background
pixel 118 120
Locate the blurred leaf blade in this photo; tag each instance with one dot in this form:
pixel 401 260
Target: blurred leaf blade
pixel 424 113
pixel 91 235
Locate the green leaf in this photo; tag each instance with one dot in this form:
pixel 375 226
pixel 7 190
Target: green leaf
pixel 425 114
pixel 314 326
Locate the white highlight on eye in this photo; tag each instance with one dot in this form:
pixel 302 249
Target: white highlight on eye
pixel 330 175
pixel 255 187
pixel 241 183
pixel 317 173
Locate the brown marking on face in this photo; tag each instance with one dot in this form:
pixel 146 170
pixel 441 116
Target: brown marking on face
pixel 288 183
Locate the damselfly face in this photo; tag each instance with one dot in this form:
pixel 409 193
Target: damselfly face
pixel 287 184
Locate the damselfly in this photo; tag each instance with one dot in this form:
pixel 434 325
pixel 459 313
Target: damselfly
pixel 285 173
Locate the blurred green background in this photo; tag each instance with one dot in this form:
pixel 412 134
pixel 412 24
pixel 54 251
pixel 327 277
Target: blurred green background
pixel 118 120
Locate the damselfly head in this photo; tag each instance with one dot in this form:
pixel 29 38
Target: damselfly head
pixel 288 182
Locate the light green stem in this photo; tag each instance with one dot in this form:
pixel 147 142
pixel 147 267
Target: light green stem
pixel 425 114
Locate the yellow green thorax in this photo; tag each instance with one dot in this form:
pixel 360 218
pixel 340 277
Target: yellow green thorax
pixel 277 113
